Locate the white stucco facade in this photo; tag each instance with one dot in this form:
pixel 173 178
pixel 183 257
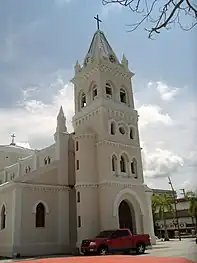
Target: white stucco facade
pixel 51 199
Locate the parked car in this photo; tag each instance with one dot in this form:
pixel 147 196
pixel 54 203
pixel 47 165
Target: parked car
pixel 119 240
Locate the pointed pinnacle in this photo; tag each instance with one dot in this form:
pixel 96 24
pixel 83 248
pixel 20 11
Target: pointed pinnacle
pixel 124 61
pixel 61 113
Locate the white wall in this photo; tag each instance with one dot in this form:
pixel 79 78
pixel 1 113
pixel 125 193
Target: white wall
pixel 6 235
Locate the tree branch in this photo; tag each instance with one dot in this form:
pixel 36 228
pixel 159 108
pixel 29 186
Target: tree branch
pixel 169 12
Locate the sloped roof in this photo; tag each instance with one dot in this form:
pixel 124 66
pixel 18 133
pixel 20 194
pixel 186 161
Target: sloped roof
pixel 100 48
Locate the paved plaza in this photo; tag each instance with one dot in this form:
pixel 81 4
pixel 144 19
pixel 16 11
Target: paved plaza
pixel 185 248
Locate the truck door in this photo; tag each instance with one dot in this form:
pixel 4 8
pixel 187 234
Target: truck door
pixel 121 240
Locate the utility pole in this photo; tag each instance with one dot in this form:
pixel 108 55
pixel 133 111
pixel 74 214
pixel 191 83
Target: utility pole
pixel 183 192
pixel 175 207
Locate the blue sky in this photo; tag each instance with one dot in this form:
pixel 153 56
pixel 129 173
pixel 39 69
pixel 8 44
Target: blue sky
pixel 40 43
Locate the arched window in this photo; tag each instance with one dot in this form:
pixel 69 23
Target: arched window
pixel 108 90
pixel 113 128
pixel 40 215
pixel 123 97
pixel 122 130
pixel 94 92
pixel 3 217
pixel 83 100
pixel 77 164
pixel 112 58
pixel 122 164
pixel 114 163
pixel 134 168
pixel 78 197
pixel 77 145
pixel 49 159
pixel 131 134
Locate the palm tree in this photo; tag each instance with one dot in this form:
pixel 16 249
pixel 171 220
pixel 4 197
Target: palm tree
pixel 192 197
pixel 162 203
pixel 154 212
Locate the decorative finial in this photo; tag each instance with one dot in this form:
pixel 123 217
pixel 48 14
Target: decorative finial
pixel 77 67
pixel 61 113
pixel 61 122
pixel 13 143
pixel 125 62
pixel 98 21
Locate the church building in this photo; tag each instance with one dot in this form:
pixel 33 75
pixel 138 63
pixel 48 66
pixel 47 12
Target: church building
pixel 87 181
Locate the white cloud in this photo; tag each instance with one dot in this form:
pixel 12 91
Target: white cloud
pixel 161 163
pixel 23 144
pixel 153 114
pixel 166 92
pixel 33 119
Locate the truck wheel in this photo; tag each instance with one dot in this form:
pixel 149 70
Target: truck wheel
pixel 103 250
pixel 140 249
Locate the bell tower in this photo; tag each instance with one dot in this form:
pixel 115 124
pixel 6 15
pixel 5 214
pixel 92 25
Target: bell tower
pixel 104 105
pixel 107 145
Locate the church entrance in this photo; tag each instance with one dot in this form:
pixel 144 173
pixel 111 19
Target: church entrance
pixel 127 216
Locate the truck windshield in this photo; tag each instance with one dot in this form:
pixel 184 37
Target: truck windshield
pixel 104 234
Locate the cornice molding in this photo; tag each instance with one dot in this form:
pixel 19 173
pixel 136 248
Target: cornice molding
pixel 35 187
pixel 49 189
pixel 109 184
pixel 82 136
pixel 86 185
pixel 116 71
pixel 116 144
pixel 44 187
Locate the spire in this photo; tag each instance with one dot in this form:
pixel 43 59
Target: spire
pixel 100 49
pixel 61 121
pixel 61 113
pixel 77 67
pixel 124 62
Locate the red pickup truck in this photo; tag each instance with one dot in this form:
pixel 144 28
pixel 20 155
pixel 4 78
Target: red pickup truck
pixel 112 241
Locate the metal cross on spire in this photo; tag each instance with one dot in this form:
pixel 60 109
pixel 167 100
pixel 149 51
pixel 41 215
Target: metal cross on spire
pixel 13 143
pixel 98 21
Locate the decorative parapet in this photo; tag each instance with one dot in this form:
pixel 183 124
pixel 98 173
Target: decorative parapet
pixel 24 166
pixel 46 156
pixel 10 172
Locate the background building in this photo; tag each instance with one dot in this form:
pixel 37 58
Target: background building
pixel 186 221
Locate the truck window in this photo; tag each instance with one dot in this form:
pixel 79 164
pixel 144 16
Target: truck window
pixel 120 233
pixel 105 234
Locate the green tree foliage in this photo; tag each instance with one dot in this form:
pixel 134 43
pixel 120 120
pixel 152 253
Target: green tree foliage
pixel 162 204
pixel 192 197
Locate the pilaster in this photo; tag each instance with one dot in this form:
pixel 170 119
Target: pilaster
pixel 150 217
pixel 36 160
pixel 63 224
pixel 16 218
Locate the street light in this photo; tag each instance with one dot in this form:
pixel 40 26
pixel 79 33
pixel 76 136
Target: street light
pixel 175 207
